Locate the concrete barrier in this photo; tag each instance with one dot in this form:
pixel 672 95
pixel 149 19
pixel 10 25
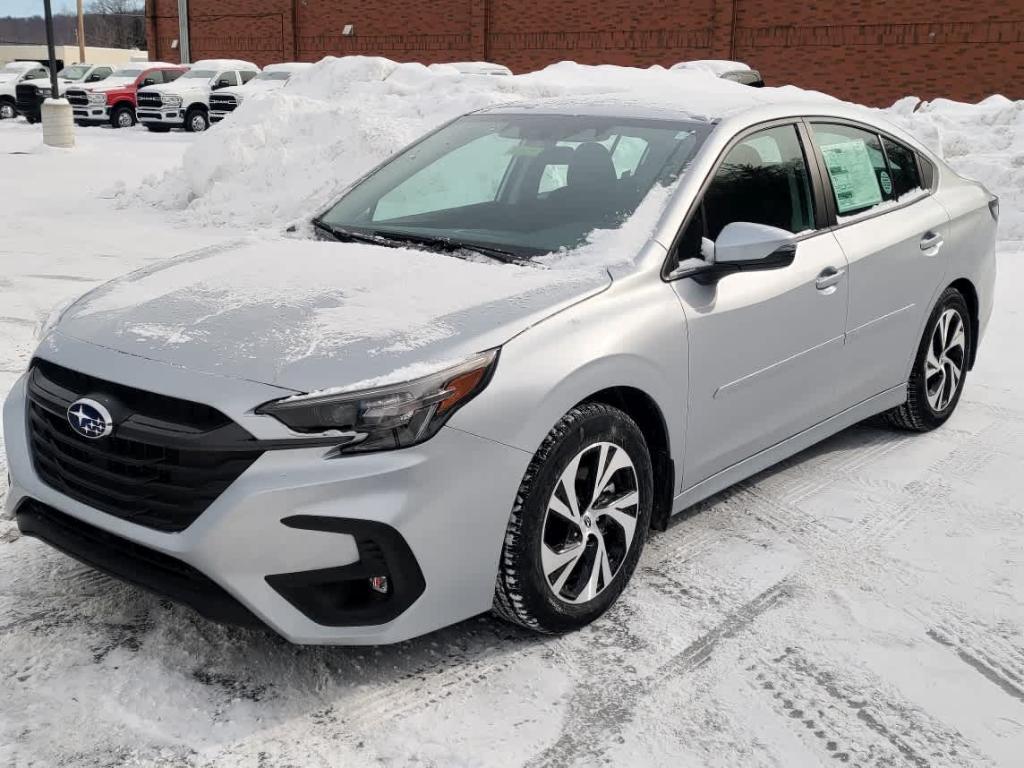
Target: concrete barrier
pixel 58 123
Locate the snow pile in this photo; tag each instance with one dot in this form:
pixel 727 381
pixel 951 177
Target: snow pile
pixel 983 141
pixel 285 154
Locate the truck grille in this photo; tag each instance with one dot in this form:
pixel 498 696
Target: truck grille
pixel 148 99
pixel 165 463
pixel 78 98
pixel 27 98
pixel 223 102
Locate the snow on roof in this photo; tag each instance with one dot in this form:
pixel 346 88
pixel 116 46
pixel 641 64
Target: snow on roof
pixel 716 66
pixel 23 66
pixel 476 67
pixel 223 64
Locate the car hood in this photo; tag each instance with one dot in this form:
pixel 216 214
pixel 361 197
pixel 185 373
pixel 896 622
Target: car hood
pixel 111 84
pixel 180 86
pixel 308 315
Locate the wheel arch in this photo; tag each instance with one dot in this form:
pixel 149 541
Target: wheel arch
pixel 644 410
pixel 970 294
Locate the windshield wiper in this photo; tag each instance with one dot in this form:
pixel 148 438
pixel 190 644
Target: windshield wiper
pixel 438 242
pixel 451 245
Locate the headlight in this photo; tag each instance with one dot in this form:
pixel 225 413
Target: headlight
pixel 394 416
pixel 172 101
pixel 97 98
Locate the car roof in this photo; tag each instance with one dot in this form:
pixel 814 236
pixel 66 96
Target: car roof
pixel 287 66
pixel 25 65
pixel 156 65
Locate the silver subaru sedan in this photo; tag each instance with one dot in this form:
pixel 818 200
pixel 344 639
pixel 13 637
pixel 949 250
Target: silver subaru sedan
pixel 484 374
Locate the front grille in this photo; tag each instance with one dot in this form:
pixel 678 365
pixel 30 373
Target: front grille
pixel 223 102
pixel 165 463
pixel 124 559
pixel 149 99
pixel 27 98
pixel 78 98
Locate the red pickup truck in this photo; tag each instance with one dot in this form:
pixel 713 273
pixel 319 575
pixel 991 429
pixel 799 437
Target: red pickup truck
pixel 113 100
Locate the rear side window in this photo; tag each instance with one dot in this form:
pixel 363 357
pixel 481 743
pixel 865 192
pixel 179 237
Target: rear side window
pixel 856 167
pixel 903 167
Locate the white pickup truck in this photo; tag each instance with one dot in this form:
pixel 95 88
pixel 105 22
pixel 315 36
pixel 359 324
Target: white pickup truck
pixel 185 103
pixel 11 74
pixel 31 95
pixel 272 78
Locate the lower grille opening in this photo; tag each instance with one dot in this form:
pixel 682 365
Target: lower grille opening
pixel 378 588
pixel 144 567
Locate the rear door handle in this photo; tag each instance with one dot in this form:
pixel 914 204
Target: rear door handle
pixel 828 278
pixel 931 240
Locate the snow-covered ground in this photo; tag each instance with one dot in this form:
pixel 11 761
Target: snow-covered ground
pixel 860 604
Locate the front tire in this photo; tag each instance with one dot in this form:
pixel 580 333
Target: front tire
pixel 940 368
pixel 7 111
pixel 579 522
pixel 122 117
pixel 196 121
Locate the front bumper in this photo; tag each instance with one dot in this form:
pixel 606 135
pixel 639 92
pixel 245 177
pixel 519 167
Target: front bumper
pixel 169 116
pixel 91 114
pixel 447 502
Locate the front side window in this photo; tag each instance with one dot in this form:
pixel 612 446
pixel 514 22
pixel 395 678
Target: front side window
pixel 762 180
pixel 528 184
pixel 246 75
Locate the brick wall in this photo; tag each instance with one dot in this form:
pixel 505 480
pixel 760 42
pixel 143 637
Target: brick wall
pixel 872 51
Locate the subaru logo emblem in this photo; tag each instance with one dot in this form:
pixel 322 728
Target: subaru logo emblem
pixel 90 419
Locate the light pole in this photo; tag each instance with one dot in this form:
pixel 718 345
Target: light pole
pixel 58 124
pixel 81 34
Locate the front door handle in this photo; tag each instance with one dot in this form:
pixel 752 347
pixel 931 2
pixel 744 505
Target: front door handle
pixel 930 241
pixel 828 278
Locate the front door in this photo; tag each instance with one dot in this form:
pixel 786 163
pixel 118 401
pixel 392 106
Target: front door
pixel 766 348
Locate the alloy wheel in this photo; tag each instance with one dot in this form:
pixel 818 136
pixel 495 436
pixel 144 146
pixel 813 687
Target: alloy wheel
pixel 124 119
pixel 6 112
pixel 198 123
pixel 590 522
pixel 945 360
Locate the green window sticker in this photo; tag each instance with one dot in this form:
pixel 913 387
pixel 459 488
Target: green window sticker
pixel 853 175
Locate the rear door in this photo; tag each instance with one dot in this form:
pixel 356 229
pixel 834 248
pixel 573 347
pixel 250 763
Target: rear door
pixel 766 353
pixel 893 232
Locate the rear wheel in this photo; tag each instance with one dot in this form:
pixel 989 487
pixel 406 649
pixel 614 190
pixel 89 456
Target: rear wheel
pixel 579 522
pixel 7 111
pixel 940 367
pixel 196 121
pixel 122 117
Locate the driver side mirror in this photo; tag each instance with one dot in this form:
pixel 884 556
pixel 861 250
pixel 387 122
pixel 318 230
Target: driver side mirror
pixel 742 246
pixel 147 82
pixel 222 83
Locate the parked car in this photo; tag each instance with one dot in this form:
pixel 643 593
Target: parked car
pixel 31 95
pixel 365 439
pixel 11 74
pixel 736 71
pixel 113 100
pixel 273 77
pixel 185 103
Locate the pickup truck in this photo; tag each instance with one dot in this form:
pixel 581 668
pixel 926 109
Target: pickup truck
pixel 11 74
pixel 185 103
pixel 272 78
pixel 31 95
pixel 113 100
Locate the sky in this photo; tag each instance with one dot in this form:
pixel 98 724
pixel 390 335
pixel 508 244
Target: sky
pixel 31 7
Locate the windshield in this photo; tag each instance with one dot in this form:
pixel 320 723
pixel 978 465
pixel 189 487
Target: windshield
pixel 127 73
pixel 198 74
pixel 273 75
pixel 76 72
pixel 528 184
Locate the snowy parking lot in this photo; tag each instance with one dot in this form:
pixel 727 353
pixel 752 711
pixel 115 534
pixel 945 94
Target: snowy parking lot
pixel 863 603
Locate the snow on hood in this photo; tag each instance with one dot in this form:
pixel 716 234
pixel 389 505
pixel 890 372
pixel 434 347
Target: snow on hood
pixel 315 315
pixel 181 85
pixel 111 84
pixel 253 87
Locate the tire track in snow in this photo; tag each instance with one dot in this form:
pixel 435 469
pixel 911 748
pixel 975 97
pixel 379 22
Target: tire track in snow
pixel 854 721
pixel 601 706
